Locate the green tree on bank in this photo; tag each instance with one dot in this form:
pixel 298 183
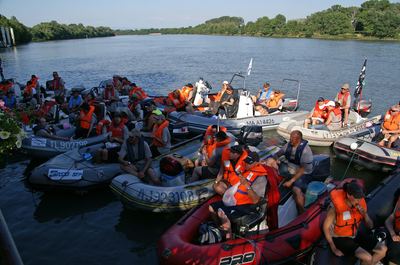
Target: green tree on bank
pixel 22 33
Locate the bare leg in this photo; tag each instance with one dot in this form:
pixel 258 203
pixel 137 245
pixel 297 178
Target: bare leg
pixel 385 138
pixel 346 117
pixel 131 169
pixel 306 123
pixel 392 139
pixel 225 223
pixel 379 253
pixel 153 177
pixel 220 188
pixel 298 197
pixel 364 256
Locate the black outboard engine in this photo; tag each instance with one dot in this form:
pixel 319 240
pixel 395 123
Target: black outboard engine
pixel 250 135
pixel 322 167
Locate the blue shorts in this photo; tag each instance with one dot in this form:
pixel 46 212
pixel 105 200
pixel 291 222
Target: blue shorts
pixel 303 182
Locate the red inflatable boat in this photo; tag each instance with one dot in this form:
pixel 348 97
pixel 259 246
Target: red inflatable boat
pixel 294 238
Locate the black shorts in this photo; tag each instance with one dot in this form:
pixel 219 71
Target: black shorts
pixel 393 252
pixel 349 245
pixel 206 173
pixel 233 212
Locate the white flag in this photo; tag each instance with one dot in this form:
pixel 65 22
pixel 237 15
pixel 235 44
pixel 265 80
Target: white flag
pixel 250 66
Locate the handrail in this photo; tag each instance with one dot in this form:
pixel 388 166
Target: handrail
pixel 7 245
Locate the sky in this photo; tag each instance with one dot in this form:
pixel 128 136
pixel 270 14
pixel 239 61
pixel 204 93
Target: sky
pixel 135 14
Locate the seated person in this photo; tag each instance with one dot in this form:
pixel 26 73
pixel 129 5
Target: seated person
pixel 135 158
pixel 150 112
pixel 119 133
pixel 344 99
pixel 43 130
pixel 161 143
pixel 260 101
pixel 318 114
pixel 275 102
pixel 86 122
pixel 208 144
pixel 187 92
pixel 10 100
pixel 75 101
pixel 177 99
pixel 241 198
pixel 222 141
pixel 390 127
pixel 138 92
pixel 90 99
pixel 298 170
pixel 393 227
pixel 57 85
pixel 229 103
pixel 110 93
pixel 30 94
pixel 334 118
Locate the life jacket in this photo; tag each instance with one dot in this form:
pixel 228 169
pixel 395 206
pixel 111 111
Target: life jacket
pixel 29 89
pixel 131 155
pixel 6 87
pixel 229 170
pixel 397 218
pixel 320 113
pixel 338 114
pixel 56 83
pixel 108 94
pixel 86 118
pixel 139 92
pixel 45 108
pixel 177 102
pixel 218 96
pixel 348 219
pixel 241 195
pixel 208 135
pixel 157 132
pixel 34 81
pixel 298 154
pixel 265 95
pixel 117 131
pixel 100 125
pixel 185 92
pixel 342 98
pixel 273 196
pixel 391 121
pixel 214 145
pixel 274 100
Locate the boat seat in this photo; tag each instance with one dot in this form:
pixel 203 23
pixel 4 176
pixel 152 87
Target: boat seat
pixel 243 224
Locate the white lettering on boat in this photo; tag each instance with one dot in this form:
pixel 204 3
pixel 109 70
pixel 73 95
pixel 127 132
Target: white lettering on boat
pixel 262 122
pixel 238 259
pixel 65 174
pixel 63 145
pixel 340 133
pixel 38 142
pixel 172 197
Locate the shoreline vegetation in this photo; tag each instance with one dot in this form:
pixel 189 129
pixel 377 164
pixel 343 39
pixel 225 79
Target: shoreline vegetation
pixel 373 20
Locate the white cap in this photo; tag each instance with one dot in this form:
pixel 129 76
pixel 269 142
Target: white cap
pixel 225 83
pixel 330 104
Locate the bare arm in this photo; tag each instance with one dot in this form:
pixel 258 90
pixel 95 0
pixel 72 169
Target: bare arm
pixel 330 218
pixel 147 165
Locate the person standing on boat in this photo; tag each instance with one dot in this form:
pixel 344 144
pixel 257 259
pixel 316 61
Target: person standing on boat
pixel 344 99
pixel 341 225
pixel 135 158
pixel 390 127
pixel 393 227
pixel 318 114
pixel 161 143
pixel 222 141
pixel 57 85
pixel 299 167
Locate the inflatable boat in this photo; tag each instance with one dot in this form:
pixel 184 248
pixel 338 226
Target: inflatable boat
pixel 319 137
pixel 380 206
pixel 253 243
pixel 175 194
pixel 363 151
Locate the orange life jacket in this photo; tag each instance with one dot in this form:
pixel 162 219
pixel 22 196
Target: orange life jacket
pixel 29 89
pixel 117 131
pixel 229 171
pixel 86 118
pixel 397 217
pixel 208 136
pixel 100 125
pixel 108 94
pixel 177 102
pixel 320 113
pixel 391 121
pixel 139 92
pixel 157 132
pixel 185 92
pixel 241 195
pixel 348 219
pixel 342 98
pixel 273 102
pixel 5 87
pixel 34 81
pixel 211 147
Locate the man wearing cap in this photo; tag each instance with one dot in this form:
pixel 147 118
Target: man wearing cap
pixel 318 114
pixel 135 158
pixel 390 127
pixel 341 225
pixel 299 167
pixel 241 198
pixel 344 99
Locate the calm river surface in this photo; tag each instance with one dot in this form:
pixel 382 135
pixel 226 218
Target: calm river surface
pixel 95 228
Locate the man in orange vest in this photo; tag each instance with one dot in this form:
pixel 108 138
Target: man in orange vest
pixel 341 225
pixel 57 85
pixel 344 98
pixel 390 126
pixel 392 224
pixel 241 198
pixel 161 143
pixel 86 121
pixel 318 114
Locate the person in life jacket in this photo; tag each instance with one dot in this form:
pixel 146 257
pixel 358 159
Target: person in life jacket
pixel 298 167
pixel 178 100
pixel 334 119
pixel 318 114
pixel 75 101
pixel 232 163
pixel 137 92
pixel 275 102
pixel 126 86
pixel 222 141
pixel 6 86
pixel 390 127
pixel 90 99
pixel 110 93
pixel 30 94
pixel 161 143
pixel 187 92
pixel 43 130
pixel 135 158
pixel 116 82
pixel 58 85
pixel 228 105
pixel 119 132
pixel 347 211
pixel 208 144
pixel 244 193
pixel 392 224
pixel 86 121
pixel 344 98
pixel 260 101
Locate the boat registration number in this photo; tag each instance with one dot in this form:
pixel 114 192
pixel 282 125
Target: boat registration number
pixel 261 122
pixel 238 259
pixel 65 174
pixel 63 145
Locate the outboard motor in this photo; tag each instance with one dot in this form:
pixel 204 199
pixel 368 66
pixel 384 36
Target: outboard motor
pixel 322 167
pixel 251 135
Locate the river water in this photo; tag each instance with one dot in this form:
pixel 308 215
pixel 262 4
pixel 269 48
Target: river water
pixel 62 228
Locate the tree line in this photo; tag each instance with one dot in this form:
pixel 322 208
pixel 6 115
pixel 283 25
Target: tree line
pixel 52 31
pixel 373 19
